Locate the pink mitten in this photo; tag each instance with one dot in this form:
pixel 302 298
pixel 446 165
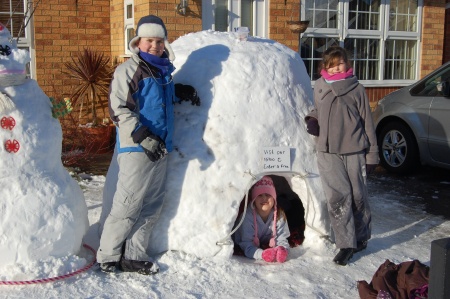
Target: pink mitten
pixel 269 255
pixel 282 254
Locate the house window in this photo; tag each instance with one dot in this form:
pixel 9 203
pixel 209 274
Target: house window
pixel 14 14
pixel 227 15
pixel 128 23
pixel 382 37
pixel 240 16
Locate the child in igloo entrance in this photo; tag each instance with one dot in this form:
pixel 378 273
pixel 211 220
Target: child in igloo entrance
pixel 264 231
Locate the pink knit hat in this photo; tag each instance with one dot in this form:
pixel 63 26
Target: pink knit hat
pixel 264 185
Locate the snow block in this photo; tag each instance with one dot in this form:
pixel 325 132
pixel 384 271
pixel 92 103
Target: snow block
pixel 254 94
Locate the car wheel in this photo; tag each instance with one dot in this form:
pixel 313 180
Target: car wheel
pixel 398 148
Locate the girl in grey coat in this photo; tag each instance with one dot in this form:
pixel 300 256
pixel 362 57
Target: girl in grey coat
pixel 347 151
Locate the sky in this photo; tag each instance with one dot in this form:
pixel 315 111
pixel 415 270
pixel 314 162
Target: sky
pixel 254 94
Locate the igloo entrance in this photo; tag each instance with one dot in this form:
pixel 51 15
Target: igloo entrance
pixel 288 200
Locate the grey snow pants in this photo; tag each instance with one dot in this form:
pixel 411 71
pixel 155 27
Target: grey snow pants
pixel 344 182
pixel 135 209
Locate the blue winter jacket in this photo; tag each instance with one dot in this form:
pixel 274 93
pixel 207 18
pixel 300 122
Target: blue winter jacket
pixel 140 96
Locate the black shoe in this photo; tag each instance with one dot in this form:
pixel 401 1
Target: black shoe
pixel 141 267
pixel 361 245
pixel 108 267
pixel 343 256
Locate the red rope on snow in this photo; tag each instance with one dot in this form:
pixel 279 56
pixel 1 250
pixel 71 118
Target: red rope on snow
pixel 52 279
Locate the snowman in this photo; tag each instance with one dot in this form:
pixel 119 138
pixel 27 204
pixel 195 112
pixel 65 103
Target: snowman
pixel 42 209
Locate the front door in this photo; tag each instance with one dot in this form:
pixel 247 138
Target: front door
pixel 227 15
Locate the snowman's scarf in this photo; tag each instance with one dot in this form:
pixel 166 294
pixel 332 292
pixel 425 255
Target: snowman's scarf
pixel 12 77
pixel 5 103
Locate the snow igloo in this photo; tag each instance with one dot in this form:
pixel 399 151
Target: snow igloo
pixel 42 209
pixel 254 96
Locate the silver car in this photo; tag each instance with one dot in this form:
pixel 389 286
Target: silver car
pixel 413 124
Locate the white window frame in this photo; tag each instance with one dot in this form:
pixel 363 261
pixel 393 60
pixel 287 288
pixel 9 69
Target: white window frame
pixel 128 23
pixel 383 34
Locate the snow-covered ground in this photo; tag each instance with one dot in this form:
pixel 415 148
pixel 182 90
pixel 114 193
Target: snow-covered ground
pixel 401 232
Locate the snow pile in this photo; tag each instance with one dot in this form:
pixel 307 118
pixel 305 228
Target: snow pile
pixel 43 212
pixel 254 94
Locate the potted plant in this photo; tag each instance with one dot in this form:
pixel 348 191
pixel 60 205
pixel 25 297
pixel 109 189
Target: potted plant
pixel 93 72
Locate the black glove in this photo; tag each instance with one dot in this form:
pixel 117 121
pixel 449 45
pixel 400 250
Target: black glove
pixel 187 93
pixel 370 168
pixel 154 147
pixel 312 126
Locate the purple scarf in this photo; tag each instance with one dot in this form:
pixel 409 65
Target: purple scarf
pixel 336 77
pixel 161 63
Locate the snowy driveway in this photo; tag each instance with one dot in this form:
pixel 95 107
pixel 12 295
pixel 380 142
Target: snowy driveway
pixel 428 188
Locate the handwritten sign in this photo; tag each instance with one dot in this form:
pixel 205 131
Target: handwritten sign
pixel 276 159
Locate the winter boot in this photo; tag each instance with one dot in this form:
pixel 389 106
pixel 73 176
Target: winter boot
pixel 141 267
pixel 108 267
pixel 360 246
pixel 343 256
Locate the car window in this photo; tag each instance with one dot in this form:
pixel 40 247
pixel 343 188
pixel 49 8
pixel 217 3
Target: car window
pixel 429 86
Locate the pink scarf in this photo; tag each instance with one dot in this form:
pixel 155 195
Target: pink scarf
pixel 336 77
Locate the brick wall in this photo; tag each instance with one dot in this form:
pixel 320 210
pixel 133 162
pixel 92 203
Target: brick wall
pixel 280 12
pixel 432 36
pixel 63 28
pixel 447 34
pixel 117 30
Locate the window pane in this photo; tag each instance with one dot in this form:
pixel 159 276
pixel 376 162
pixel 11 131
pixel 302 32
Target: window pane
pixel 430 86
pixel 311 52
pixel 400 60
pixel 322 13
pixel 130 35
pixel 129 11
pixel 5 6
pixel 364 15
pixel 4 20
pixel 365 55
pixel 12 6
pixel 403 15
pixel 221 15
pixel 246 15
pixel 16 22
pixel 12 15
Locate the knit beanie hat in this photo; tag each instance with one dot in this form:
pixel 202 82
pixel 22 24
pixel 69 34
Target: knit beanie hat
pixel 151 26
pixel 264 185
